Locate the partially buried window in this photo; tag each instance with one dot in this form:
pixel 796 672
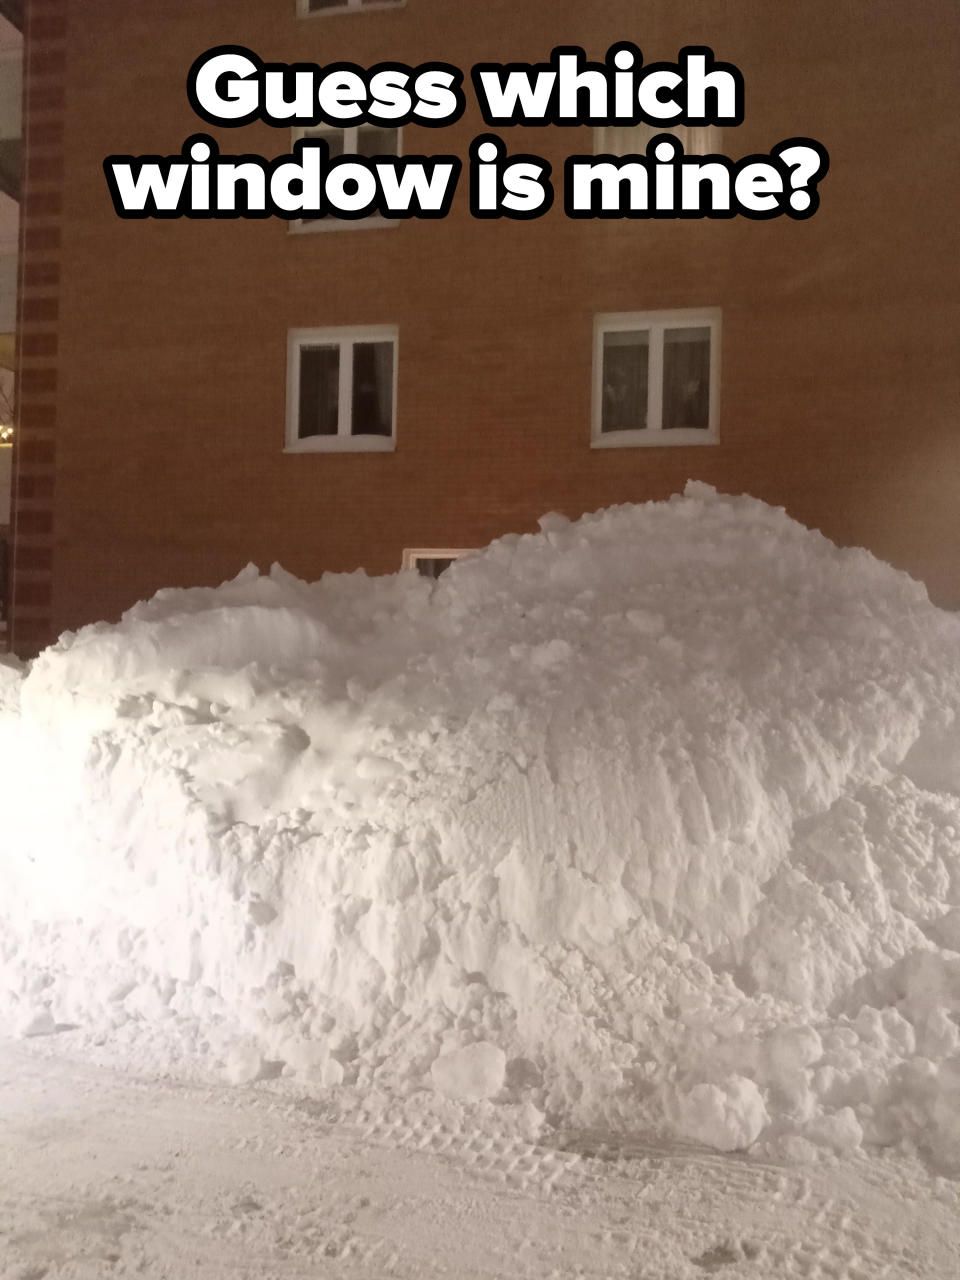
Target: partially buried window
pixel 430 562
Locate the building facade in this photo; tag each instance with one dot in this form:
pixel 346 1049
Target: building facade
pixel 11 96
pixel 194 395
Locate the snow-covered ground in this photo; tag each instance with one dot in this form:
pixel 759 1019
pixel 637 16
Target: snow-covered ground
pixel 647 825
pixel 102 1175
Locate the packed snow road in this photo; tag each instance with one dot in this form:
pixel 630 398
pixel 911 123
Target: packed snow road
pixel 105 1175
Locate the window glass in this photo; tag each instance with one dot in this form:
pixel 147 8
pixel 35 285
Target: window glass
pixel 626 364
pixel 319 391
pixel 686 378
pixel 334 138
pixel 336 145
pixel 433 566
pixel 376 141
pixel 372 409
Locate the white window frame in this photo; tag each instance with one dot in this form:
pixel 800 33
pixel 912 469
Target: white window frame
pixel 343 441
pixel 346 6
pixel 306 226
pixel 655 322
pixel 624 140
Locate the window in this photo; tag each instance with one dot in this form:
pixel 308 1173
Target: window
pixel 341 389
pixel 430 562
pixel 308 8
pixel 359 140
pixel 656 378
pixel 632 140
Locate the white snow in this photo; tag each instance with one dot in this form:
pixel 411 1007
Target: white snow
pixel 729 1116
pixel 648 821
pixel 476 1071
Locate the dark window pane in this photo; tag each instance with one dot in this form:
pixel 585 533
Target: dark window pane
pixel 319 391
pixel 433 566
pixel 373 141
pixel 334 138
pixel 316 6
pixel 626 359
pixel 686 378
pixel 11 165
pixel 372 389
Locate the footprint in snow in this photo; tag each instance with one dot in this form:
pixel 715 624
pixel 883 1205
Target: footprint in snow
pixel 725 1255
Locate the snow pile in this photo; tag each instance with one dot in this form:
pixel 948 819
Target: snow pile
pixel 652 819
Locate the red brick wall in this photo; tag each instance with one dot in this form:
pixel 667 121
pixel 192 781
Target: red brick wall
pixel 34 458
pixel 160 357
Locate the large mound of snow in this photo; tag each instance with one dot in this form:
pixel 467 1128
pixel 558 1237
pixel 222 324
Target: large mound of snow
pixel 648 820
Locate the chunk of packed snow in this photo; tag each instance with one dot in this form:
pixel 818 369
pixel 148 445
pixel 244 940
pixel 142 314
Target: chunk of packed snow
pixel 474 1072
pixel 245 1063
pixel 662 806
pixel 729 1116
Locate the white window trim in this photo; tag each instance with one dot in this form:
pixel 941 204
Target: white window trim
pixel 653 435
pixel 301 226
pixel 412 554
pixel 343 442
pixel 346 6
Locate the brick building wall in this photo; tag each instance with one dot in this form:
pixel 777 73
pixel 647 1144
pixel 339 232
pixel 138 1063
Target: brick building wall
pixel 30 582
pixel 153 354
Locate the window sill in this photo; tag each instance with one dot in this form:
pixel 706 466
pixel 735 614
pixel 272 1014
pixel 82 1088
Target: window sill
pixel 304 12
pixel 342 444
pixel 654 439
pixel 375 223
